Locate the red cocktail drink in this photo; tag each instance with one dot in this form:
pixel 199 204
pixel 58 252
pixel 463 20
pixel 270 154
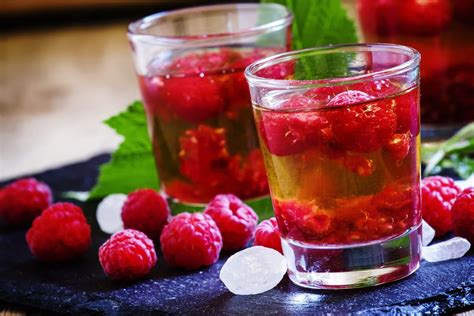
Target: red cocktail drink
pixel 342 158
pixel 197 99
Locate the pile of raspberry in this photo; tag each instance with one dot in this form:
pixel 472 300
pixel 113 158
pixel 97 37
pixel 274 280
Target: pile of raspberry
pixel 359 120
pixel 205 161
pixel 60 231
pixel 202 86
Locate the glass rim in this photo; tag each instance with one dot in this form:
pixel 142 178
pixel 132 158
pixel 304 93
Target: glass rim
pixel 287 84
pixel 135 27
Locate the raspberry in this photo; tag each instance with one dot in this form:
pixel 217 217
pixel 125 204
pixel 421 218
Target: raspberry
pixel 279 71
pixel 438 195
pixel 204 62
pixel 23 200
pixel 191 241
pixel 194 99
pixel 268 235
pixel 147 211
pixel 399 146
pixel 424 18
pixel 252 177
pixel 463 214
pixel 349 97
pixel 377 88
pixel 361 128
pixel 203 153
pixel 60 233
pixel 291 133
pixel 127 255
pixel 359 164
pixel 153 97
pixel 301 219
pixel 236 220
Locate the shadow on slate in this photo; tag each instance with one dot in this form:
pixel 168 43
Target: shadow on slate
pixel 81 286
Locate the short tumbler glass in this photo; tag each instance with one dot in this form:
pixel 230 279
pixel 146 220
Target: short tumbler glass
pixel 341 145
pixel 190 65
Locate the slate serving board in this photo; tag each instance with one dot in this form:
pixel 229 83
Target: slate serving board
pixel 81 286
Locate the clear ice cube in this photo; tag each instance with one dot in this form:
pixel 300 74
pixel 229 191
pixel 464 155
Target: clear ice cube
pixel 253 270
pixel 427 234
pixel 109 213
pixel 446 250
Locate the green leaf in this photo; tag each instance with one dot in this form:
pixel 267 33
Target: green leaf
pixel 132 165
pixel 319 23
pixel 456 153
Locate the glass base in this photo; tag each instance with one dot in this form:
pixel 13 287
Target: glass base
pixel 354 266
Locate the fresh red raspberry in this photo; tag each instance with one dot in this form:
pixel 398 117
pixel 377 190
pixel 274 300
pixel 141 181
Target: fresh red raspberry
pixel 191 241
pixel 194 99
pixel 127 255
pixel 463 214
pixel 424 18
pixel 268 235
pixel 60 233
pixel 361 128
pixel 23 200
pixel 236 220
pixel 290 133
pixel 399 145
pixel 438 195
pixel 147 211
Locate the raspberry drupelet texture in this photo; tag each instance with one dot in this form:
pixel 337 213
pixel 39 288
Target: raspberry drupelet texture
pixel 60 233
pixel 268 235
pixel 236 220
pixel 438 195
pixel 463 214
pixel 147 211
pixel 365 127
pixel 191 241
pixel 23 200
pixel 127 255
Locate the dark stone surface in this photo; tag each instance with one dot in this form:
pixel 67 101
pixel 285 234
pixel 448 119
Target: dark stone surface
pixel 81 286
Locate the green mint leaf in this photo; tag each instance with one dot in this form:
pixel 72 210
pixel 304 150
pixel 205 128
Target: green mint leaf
pixel 132 165
pixel 456 153
pixel 319 23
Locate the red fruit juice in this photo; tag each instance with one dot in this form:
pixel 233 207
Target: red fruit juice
pixel 443 32
pixel 343 162
pixel 202 129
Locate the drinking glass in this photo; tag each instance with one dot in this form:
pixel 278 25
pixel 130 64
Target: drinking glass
pixel 190 65
pixel 443 32
pixel 340 136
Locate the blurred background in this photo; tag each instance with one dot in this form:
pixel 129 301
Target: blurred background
pixel 65 66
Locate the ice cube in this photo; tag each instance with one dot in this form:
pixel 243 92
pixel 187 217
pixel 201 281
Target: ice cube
pixel 450 249
pixel 109 213
pixel 253 270
pixel 427 234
